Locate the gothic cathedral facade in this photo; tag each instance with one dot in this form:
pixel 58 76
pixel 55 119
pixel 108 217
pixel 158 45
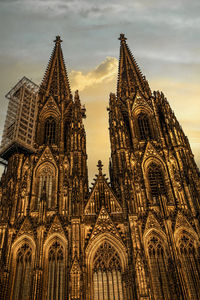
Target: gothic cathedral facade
pixel 135 237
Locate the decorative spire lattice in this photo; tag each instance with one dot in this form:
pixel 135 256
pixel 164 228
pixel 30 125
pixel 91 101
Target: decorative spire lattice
pixel 55 81
pixel 130 77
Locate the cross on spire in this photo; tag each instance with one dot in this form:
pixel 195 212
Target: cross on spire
pixel 122 37
pixel 100 165
pixel 58 40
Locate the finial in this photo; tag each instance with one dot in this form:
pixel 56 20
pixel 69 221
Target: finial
pixel 76 96
pixel 58 40
pixel 112 97
pixel 100 165
pixel 122 37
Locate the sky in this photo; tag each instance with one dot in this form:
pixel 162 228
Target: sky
pixel 162 35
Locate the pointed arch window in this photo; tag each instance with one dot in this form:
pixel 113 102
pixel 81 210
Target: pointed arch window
pixel 46 181
pixel 144 127
pixel 66 134
pixel 156 182
pixel 190 265
pixel 107 274
pixel 158 263
pixel 50 131
pixel 23 273
pixel 56 272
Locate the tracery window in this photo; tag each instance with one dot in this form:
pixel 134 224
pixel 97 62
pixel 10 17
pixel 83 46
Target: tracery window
pixel 56 272
pixel 23 273
pixel 190 265
pixel 46 181
pixel 156 182
pixel 107 274
pixel 159 268
pixel 50 131
pixel 144 127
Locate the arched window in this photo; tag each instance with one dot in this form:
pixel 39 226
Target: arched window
pixel 50 131
pixel 107 274
pixel 156 182
pixel 23 273
pixel 56 272
pixel 144 127
pixel 66 134
pixel 46 181
pixel 158 264
pixel 190 265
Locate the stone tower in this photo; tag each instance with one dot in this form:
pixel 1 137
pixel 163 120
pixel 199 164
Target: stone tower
pixel 136 237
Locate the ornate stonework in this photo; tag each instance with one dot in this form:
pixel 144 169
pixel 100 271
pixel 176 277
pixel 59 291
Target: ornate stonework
pixel 136 237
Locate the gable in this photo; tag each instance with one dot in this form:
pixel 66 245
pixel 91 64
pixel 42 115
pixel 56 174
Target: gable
pixel 102 194
pixel 181 221
pixel 150 152
pixel 26 228
pixel 50 108
pixel 104 224
pixel 152 223
pixel 56 227
pixel 140 103
pixel 46 156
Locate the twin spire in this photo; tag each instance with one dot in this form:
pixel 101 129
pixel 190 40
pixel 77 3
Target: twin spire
pixel 55 81
pixel 130 78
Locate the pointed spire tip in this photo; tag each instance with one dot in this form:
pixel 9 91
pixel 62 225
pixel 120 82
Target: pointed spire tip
pixel 100 165
pixel 122 37
pixel 58 40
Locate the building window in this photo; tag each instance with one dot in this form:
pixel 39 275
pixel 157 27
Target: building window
pixel 158 263
pixel 190 266
pixel 66 134
pixel 50 131
pixel 144 127
pixel 23 274
pixel 46 181
pixel 56 283
pixel 107 274
pixel 156 182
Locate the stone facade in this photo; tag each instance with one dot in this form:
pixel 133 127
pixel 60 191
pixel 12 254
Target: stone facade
pixel 136 237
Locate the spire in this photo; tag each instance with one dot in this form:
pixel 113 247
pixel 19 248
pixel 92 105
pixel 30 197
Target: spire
pixel 100 166
pixel 55 81
pixel 130 78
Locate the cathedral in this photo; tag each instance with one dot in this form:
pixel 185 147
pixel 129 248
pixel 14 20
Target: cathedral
pixel 135 237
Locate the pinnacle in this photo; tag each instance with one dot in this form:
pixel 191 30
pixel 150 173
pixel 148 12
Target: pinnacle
pixel 76 96
pixel 122 37
pixel 58 40
pixel 100 166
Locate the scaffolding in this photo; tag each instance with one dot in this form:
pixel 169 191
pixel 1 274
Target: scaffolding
pixel 19 128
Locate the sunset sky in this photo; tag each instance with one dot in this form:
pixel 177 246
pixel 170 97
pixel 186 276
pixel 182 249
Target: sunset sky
pixel 164 37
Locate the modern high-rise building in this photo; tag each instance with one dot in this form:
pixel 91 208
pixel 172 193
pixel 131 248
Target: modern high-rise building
pixel 136 237
pixel 19 128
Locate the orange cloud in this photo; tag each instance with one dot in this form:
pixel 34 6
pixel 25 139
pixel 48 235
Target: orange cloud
pixel 106 71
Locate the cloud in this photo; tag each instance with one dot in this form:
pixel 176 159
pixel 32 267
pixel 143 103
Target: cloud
pixel 106 71
pixel 178 13
pixel 84 8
